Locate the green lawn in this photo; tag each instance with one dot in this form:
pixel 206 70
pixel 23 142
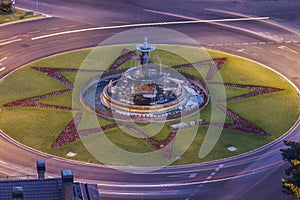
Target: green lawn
pixel 38 128
pixel 20 15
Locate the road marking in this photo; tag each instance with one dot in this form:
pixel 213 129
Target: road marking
pixel 243 50
pixel 276 53
pixel 96 35
pixel 9 42
pixel 2 68
pixel 36 45
pixel 257 47
pixel 262 43
pixel 292 59
pixel 74 38
pixel 51 29
pixel 3 162
pixel 32 32
pixel 70 26
pixel 193 175
pixel 209 177
pixel 149 24
pixel 54 41
pixel 1 60
pixel 287 49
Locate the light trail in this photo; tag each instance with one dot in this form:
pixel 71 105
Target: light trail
pixel 149 24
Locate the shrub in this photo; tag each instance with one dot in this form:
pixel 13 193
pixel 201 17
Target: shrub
pixel 6 7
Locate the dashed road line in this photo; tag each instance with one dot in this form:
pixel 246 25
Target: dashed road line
pixel 54 41
pixel 276 53
pixel 2 68
pixel 74 38
pixel 9 42
pixel 257 47
pixel 52 29
pixel 36 45
pixel 212 174
pixel 1 60
pixel 71 26
pixel 32 32
pixel 289 58
pixel 254 43
pixel 284 48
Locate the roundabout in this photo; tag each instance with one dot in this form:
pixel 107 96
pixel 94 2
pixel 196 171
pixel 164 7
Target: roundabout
pixel 176 104
pixel 248 173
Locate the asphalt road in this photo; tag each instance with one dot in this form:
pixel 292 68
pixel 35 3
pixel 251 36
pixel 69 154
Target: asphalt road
pixel 253 176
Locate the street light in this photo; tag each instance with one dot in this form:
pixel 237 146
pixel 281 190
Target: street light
pixel 14 5
pixel 36 5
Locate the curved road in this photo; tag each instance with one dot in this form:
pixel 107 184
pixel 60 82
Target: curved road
pixel 252 176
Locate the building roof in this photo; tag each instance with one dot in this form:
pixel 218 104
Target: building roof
pixel 33 189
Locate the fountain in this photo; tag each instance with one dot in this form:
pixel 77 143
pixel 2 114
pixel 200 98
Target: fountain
pixel 146 92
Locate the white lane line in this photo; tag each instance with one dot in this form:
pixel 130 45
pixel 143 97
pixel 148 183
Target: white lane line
pixel 292 59
pixel 9 42
pixel 74 38
pixel 257 47
pixel 36 45
pixel 284 48
pixel 276 53
pixel 268 22
pixel 2 162
pixel 2 68
pixel 171 14
pixel 262 43
pixel 51 29
pixel 213 173
pixel 148 24
pixel 96 35
pixel 32 32
pixel 54 41
pixel 193 175
pixel 1 60
pixel 71 26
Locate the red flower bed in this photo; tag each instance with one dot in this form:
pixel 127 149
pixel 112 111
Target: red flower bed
pixel 34 101
pixel 69 134
pixel 214 65
pixel 125 56
pixel 164 146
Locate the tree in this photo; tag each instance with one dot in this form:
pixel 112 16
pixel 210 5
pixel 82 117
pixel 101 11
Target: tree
pixel 291 184
pixel 6 7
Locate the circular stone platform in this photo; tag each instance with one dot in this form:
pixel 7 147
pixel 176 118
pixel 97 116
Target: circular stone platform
pixel 163 95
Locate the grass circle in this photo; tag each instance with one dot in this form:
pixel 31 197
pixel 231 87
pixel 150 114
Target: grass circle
pixel 38 126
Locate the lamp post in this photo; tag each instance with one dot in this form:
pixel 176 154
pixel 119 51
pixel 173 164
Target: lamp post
pixel 36 5
pixel 14 5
